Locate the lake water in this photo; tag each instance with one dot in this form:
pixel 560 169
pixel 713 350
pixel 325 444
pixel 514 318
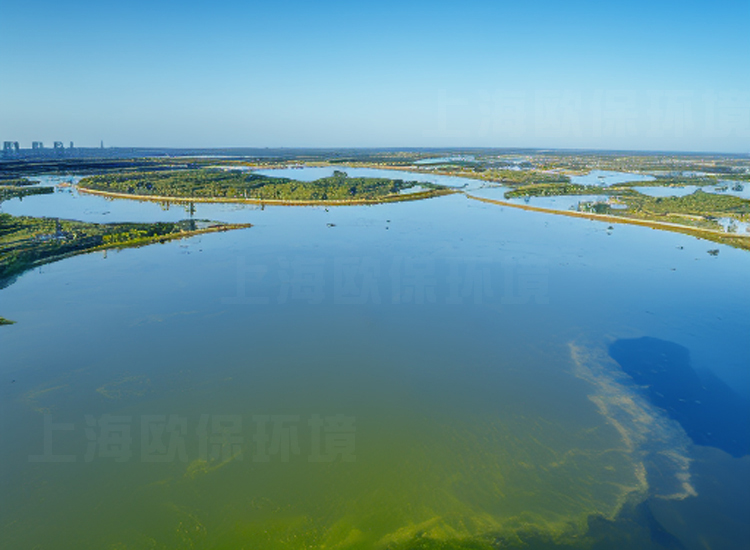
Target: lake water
pixel 431 374
pixel 560 202
pixel 656 191
pixel 445 160
pixel 725 188
pixel 608 177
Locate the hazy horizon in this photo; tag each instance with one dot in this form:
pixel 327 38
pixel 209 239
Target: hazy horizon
pixel 427 149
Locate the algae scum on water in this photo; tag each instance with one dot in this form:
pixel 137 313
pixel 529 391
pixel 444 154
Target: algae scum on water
pixel 426 473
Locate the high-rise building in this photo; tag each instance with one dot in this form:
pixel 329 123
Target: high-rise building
pixel 37 145
pixel 10 147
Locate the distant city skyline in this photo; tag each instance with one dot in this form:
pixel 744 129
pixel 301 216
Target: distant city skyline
pixel 662 75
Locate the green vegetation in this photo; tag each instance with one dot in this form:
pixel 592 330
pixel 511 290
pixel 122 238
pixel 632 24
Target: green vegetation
pixel 672 181
pixel 4 321
pixel 20 187
pixel 27 242
pixel 736 177
pixel 698 209
pixel 595 207
pixel 11 192
pixel 525 177
pixel 237 185
pixel 645 163
pixel 556 189
pixel 16 182
pixel 31 167
pixel 496 175
pixel 695 204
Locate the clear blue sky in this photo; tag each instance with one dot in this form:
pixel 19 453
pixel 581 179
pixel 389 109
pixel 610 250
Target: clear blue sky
pixel 666 75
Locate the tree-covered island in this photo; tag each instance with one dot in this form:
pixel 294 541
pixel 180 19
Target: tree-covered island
pixel 212 185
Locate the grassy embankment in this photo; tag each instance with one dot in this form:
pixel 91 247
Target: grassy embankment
pixel 209 185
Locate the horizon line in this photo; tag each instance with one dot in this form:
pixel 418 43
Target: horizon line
pixel 381 148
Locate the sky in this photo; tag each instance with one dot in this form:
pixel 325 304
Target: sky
pixel 636 75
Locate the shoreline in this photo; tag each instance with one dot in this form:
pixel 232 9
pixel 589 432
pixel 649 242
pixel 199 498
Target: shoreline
pixel 8 279
pixel 274 202
pixel 218 228
pixel 145 241
pixel 730 239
